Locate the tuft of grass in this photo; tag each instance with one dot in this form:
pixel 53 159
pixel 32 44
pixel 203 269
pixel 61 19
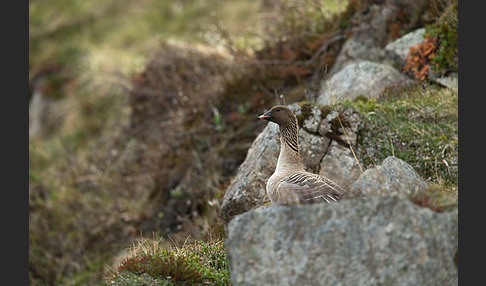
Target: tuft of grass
pixel 419 126
pixel 199 262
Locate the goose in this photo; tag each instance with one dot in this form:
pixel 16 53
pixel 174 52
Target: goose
pixel 291 183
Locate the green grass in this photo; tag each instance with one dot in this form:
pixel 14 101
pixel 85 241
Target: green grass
pixel 192 264
pixel 417 125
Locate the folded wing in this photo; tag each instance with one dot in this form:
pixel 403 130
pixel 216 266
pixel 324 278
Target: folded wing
pixel 308 188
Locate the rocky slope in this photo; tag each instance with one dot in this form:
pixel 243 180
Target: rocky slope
pixel 178 166
pixel 375 236
pixel 325 145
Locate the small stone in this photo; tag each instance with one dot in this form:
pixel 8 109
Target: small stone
pixel 392 176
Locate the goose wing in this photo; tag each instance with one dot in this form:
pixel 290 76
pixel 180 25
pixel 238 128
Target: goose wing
pixel 308 188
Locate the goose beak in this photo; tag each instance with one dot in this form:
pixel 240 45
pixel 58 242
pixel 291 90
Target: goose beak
pixel 267 115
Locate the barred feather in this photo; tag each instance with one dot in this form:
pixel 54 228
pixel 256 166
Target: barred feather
pixel 311 188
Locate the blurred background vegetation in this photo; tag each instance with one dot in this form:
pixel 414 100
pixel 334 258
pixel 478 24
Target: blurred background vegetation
pixel 92 183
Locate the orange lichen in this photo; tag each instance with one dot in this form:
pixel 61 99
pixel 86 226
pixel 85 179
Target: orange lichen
pixel 420 56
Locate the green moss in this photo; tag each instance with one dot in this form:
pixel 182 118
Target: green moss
pixel 325 110
pixel 335 125
pixel 197 263
pixel 305 112
pixel 446 29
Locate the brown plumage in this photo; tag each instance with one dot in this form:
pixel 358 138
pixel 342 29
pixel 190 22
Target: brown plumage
pixel 291 183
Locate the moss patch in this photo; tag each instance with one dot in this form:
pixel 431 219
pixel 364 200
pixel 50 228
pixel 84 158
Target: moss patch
pixel 194 264
pixel 447 32
pixel 306 108
pixel 305 112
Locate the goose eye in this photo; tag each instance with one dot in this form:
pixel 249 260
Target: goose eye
pixel 278 109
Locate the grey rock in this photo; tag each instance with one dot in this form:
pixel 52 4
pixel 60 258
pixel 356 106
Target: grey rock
pixel 397 51
pixel 392 176
pixel 313 121
pixel 46 111
pixel 326 127
pixel 450 81
pixel 247 189
pixel 40 114
pixel 340 164
pixel 371 241
pixel 369 37
pixel 363 78
pixel 350 119
pixel 372 30
pixel 316 146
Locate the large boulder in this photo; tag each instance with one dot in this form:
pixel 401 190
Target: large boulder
pixel 368 38
pixel 371 241
pixel 362 78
